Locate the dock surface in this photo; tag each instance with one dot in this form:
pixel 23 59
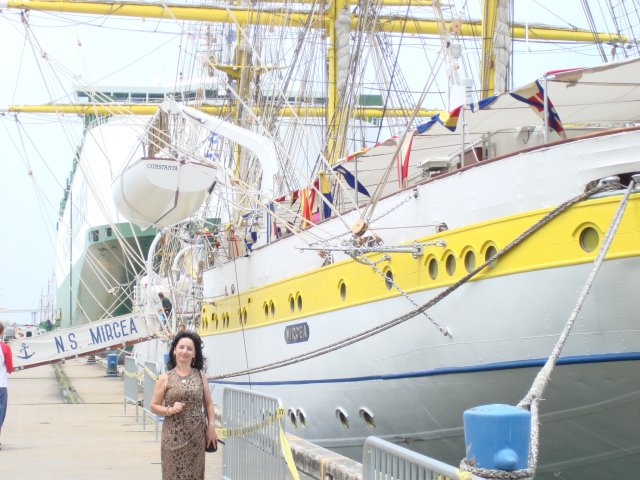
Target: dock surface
pixel 45 438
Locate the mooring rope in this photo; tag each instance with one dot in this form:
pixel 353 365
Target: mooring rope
pixel 413 313
pixel 534 396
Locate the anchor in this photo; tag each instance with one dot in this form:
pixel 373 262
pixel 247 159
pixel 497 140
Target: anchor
pixel 24 355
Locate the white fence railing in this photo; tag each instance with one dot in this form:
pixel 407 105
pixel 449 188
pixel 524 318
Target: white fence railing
pixel 252 423
pixel 382 460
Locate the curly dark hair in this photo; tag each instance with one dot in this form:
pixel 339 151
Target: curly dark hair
pixel 199 362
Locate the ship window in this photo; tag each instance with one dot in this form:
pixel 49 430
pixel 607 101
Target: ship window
pixel 368 417
pixel 302 417
pixel 433 268
pixel 470 261
pixel 299 301
pixel 244 315
pixel 343 417
pixel 589 239
pixel 266 310
pixel 343 290
pixel 95 235
pixel 272 308
pixel 491 252
pixel 292 418
pixel 388 281
pixel 109 232
pixel 292 302
pixel 450 264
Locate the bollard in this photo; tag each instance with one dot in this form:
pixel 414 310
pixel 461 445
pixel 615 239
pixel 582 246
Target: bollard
pixel 112 364
pixel 497 437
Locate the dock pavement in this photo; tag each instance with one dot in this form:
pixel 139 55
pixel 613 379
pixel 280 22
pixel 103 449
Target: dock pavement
pixel 45 438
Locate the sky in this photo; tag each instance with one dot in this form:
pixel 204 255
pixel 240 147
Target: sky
pixel 42 58
pixel 38 149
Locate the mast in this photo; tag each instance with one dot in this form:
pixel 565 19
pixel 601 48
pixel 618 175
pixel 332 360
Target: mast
pixel 242 17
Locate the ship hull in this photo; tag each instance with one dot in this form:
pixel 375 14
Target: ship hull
pixel 410 383
pixel 101 281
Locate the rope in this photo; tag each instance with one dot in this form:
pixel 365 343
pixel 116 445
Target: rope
pixel 409 315
pixel 533 397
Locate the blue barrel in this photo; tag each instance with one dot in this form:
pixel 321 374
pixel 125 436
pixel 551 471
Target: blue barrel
pixel 497 437
pixel 112 364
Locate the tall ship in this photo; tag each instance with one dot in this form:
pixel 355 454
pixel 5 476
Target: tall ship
pixel 402 233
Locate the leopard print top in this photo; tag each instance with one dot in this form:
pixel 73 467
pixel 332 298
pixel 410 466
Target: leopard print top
pixel 183 434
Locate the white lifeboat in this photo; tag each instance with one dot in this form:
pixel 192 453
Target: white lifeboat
pixel 162 191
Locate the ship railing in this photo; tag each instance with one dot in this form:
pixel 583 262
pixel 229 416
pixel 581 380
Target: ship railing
pixel 386 460
pixel 251 425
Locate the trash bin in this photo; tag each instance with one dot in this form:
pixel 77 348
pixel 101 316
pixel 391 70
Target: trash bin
pixel 112 364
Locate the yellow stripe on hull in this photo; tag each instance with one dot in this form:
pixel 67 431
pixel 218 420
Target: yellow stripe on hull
pixel 571 239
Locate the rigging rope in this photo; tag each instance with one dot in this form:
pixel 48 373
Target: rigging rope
pixel 413 313
pixel 534 396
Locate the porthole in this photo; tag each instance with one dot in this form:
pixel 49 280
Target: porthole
pixel 367 416
pixel 343 290
pixel 215 319
pixel 470 261
pixel 266 309
pixel 302 417
pixel 299 301
pixel 589 239
pixel 272 308
pixel 450 264
pixel 433 268
pixel 342 416
pixel 291 303
pixel 388 280
pixel 244 315
pixel 292 418
pixel 490 253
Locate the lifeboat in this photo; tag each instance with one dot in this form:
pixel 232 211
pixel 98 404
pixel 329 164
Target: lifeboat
pixel 162 192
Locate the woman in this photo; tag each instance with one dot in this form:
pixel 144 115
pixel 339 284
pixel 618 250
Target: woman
pixel 182 396
pixel 6 366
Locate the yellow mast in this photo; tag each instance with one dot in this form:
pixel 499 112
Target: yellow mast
pixel 489 14
pixel 333 118
pixel 204 13
pixel 218 110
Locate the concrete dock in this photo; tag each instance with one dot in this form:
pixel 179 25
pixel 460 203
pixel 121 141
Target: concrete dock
pixel 45 438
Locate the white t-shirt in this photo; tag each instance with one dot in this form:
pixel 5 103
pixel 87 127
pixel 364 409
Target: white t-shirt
pixel 3 371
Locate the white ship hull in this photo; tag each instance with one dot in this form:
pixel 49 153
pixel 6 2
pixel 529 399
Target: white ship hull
pixel 411 382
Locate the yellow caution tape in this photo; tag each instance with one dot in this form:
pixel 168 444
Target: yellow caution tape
pixel 286 448
pixel 462 475
pixel 286 451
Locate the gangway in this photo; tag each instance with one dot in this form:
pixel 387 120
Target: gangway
pixel 86 339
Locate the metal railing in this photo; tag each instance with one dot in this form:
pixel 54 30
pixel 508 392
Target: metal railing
pixel 131 384
pixel 382 460
pixel 150 379
pixel 252 423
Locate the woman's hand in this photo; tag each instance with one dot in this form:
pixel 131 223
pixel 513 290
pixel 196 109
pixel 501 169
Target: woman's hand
pixel 177 408
pixel 211 436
